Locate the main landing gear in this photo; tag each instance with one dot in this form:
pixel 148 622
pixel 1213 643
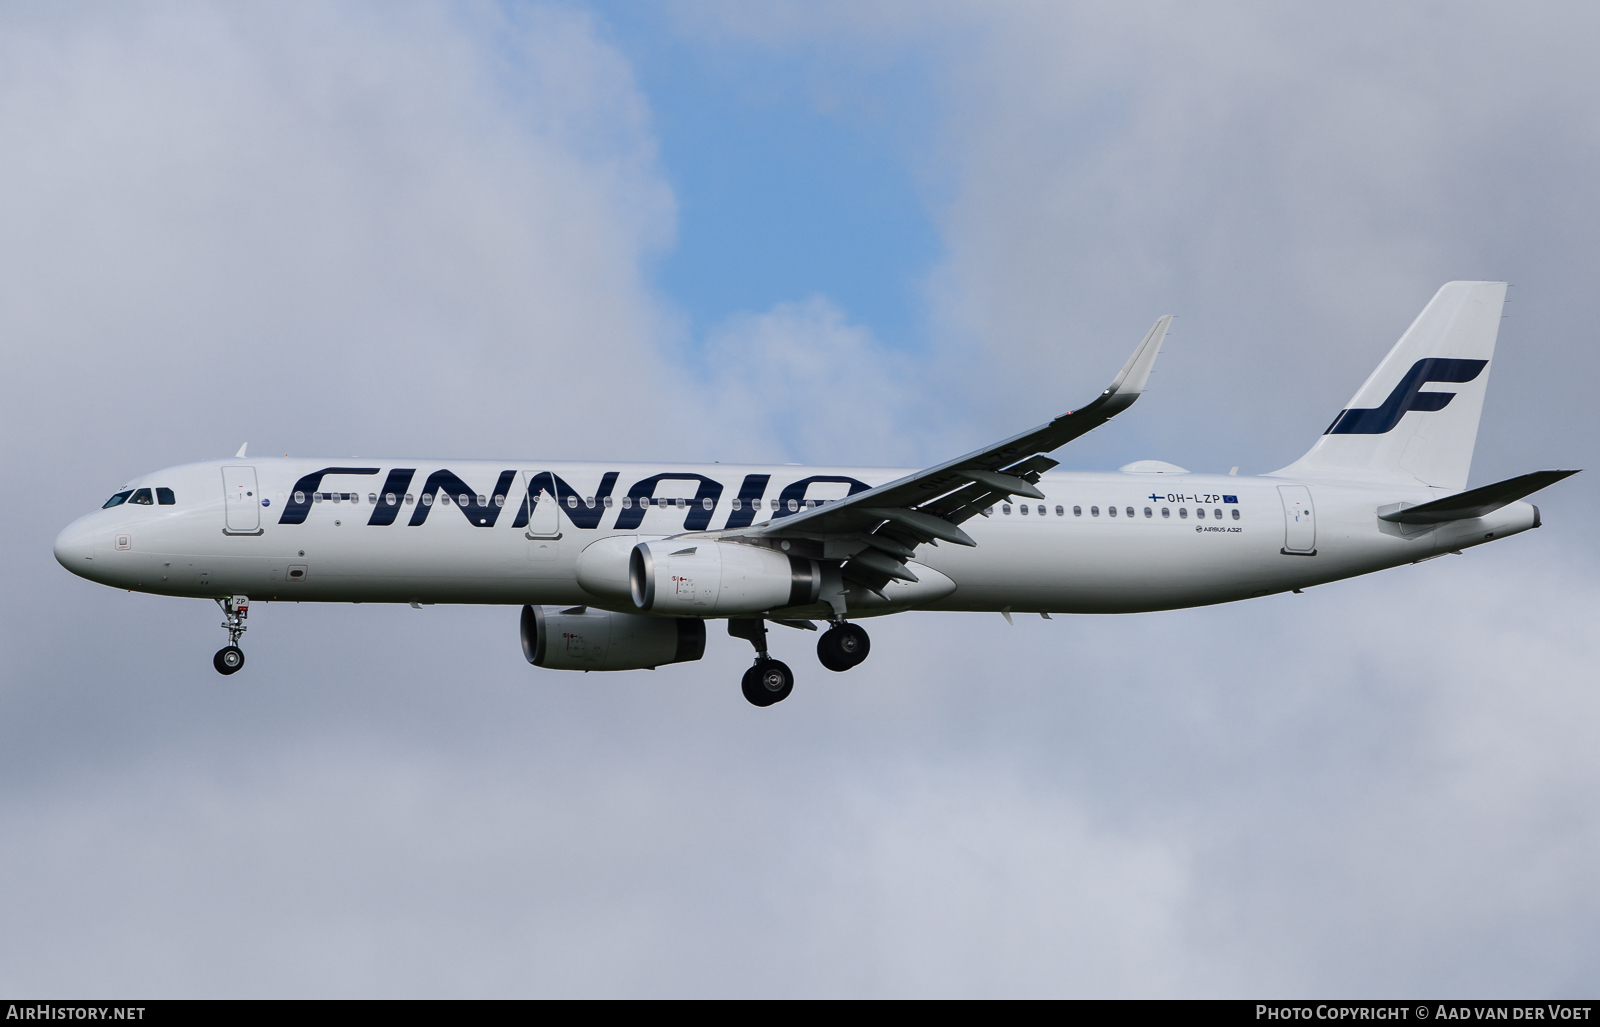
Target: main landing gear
pixel 843 646
pixel 230 657
pixel 770 681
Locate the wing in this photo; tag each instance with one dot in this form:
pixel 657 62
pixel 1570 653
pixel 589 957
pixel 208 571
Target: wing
pixel 890 521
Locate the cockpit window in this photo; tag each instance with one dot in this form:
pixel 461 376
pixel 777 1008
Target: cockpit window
pixel 142 497
pixel 166 498
pixel 117 500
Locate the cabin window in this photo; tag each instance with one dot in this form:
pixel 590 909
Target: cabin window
pixel 1166 511
pixel 408 499
pixel 706 503
pixel 1005 508
pixel 166 498
pixel 1060 512
pixel 738 504
pixel 793 506
pixel 1236 513
pixel 1077 511
pixel 117 500
pixel 627 502
pixel 1041 510
pixel 608 502
pixel 389 498
pixel 1022 508
pixel 465 500
pixel 1130 511
pixel 427 499
pixel 1111 510
pixel 1183 512
pixel 1094 511
pixel 1217 514
pixel 1147 512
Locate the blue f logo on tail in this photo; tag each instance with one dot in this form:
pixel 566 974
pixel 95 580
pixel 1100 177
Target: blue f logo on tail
pixel 1407 396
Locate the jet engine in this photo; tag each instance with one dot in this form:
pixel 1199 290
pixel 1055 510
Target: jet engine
pixel 719 579
pixel 585 639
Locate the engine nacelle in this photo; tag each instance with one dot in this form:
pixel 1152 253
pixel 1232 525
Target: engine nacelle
pixel 719 579
pixel 584 639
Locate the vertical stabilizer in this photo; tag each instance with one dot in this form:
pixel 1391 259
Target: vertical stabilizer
pixel 1416 419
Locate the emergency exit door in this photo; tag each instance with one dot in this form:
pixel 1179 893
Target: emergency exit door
pixel 544 526
pixel 241 500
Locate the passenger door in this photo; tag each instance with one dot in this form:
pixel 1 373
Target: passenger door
pixel 1299 525
pixel 241 501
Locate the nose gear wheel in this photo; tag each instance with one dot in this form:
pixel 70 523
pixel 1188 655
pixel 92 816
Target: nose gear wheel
pixel 228 659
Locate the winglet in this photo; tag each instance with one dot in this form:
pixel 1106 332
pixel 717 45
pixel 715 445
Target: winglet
pixel 1130 381
pixel 240 455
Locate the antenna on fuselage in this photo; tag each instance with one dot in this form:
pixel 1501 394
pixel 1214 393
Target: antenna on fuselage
pixel 240 455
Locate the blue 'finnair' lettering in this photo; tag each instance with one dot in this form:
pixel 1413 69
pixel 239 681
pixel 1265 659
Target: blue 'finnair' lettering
pixel 480 511
pixel 300 500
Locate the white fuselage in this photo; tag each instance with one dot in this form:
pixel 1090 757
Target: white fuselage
pixel 1189 540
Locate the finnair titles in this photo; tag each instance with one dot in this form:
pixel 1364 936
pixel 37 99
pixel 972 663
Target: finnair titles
pixel 620 566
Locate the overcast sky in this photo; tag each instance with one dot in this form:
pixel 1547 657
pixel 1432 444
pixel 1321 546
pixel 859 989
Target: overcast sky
pixel 875 234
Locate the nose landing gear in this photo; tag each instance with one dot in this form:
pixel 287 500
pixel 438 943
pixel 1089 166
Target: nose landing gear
pixel 843 646
pixel 230 657
pixel 768 681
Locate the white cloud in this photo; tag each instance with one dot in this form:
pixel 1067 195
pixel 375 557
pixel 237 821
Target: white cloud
pixel 366 227
pixel 800 381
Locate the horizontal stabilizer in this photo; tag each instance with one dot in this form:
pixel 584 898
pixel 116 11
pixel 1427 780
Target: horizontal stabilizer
pixel 1476 502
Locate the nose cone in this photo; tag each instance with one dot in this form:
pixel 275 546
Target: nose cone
pixel 75 548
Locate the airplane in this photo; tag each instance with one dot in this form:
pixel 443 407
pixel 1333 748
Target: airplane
pixel 619 566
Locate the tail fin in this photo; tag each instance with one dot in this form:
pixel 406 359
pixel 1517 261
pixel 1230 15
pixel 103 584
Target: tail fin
pixel 1395 431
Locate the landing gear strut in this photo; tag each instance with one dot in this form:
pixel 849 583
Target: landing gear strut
pixel 230 657
pixel 768 681
pixel 843 646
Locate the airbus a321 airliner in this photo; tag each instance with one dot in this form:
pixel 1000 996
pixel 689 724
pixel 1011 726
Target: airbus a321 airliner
pixel 620 566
